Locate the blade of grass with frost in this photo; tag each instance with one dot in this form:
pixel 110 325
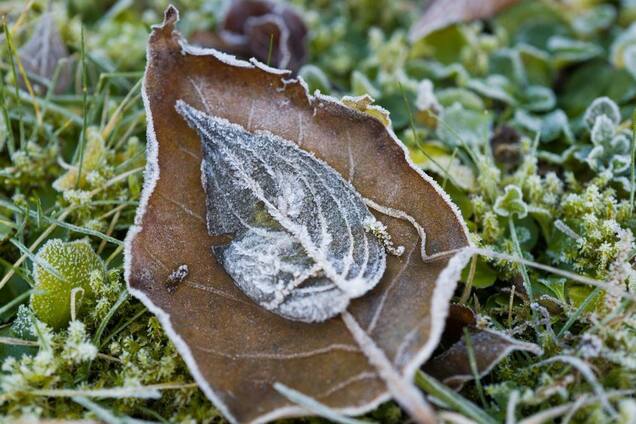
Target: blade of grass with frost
pixel 313 406
pixel 101 413
pixel 71 227
pixel 16 301
pixel 25 251
pixel 104 322
pixel 404 392
pixel 26 276
pixel 141 392
pixel 451 398
pixel 417 139
pixel 133 93
pixel 588 374
pixel 473 366
pixel 121 327
pixel 14 341
pixel 527 284
pixel 556 271
pixel 14 74
pixel 7 120
pixel 84 108
pixel 579 311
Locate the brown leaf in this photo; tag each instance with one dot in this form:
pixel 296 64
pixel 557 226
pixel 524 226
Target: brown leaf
pixel 505 144
pixel 270 32
pixel 43 53
pixel 442 13
pixel 452 367
pixel 235 349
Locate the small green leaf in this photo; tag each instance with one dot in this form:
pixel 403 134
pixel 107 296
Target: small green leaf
pixel 74 261
pixel 511 203
pixel 602 106
pixel 461 126
pixel 484 276
pixel 315 79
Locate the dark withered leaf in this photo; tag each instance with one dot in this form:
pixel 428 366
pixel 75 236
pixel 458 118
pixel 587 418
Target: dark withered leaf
pixel 236 349
pixel 44 53
pixel 506 147
pixel 269 31
pixel 442 13
pixel 452 366
pixel 314 250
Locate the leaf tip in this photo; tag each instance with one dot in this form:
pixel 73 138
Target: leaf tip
pixel 170 17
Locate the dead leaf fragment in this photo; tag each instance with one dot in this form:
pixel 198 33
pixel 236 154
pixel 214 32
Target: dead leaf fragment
pixel 442 13
pixel 44 53
pixel 235 349
pixel 452 366
pixel 269 31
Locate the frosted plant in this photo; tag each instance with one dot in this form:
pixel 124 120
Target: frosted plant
pixel 301 242
pixel 610 154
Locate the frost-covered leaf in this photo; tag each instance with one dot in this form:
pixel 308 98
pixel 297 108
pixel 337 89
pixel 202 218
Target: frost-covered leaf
pixel 599 107
pixel 442 13
pixel 549 127
pixel 236 349
pixel 629 58
pixel 594 19
pixel 469 100
pixel 603 130
pixel 621 44
pixel 73 263
pixel 464 127
pixel 46 56
pixel 496 87
pixel 302 242
pixel 511 203
pixel 566 50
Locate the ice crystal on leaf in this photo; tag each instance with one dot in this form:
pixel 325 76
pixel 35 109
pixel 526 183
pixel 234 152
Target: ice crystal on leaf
pixel 300 243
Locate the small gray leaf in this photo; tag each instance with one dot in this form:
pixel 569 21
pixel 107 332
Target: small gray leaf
pixel 44 52
pixel 301 245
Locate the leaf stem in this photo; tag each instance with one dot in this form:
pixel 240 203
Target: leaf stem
pixel 271 48
pixel 403 391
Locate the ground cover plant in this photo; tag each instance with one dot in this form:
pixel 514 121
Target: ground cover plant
pixel 525 120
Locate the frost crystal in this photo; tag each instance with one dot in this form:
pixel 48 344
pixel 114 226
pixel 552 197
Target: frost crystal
pixel 300 243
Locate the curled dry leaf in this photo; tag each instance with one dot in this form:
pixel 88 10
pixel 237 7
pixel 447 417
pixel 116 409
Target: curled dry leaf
pixel 452 366
pixel 236 349
pixel 46 56
pixel 442 13
pixel 269 31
